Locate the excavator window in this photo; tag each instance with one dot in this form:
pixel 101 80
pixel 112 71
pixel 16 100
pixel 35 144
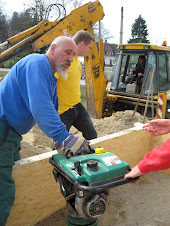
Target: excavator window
pixel 151 61
pixel 123 69
pixel 168 64
pixel 162 70
pixel 127 72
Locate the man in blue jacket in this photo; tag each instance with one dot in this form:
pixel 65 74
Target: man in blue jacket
pixel 28 95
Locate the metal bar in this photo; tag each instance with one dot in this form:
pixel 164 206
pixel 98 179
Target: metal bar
pixel 143 86
pixel 4 44
pixel 146 107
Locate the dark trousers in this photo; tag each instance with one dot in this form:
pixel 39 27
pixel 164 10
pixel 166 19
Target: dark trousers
pixel 80 119
pixel 9 152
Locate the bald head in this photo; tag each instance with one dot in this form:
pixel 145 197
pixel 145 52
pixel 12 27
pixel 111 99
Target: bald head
pixel 61 40
pixel 61 52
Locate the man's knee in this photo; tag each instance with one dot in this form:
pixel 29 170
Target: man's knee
pixel 91 134
pixel 94 135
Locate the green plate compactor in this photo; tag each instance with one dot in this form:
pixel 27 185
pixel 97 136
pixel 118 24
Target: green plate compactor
pixel 85 181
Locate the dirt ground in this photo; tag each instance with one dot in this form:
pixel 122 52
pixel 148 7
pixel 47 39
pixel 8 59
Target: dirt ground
pixel 146 204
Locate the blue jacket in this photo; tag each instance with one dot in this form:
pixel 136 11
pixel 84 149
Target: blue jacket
pixel 28 95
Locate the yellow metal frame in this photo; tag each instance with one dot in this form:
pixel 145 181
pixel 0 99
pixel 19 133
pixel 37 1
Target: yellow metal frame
pixel 143 46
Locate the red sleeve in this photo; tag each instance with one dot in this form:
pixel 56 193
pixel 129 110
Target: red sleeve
pixel 157 159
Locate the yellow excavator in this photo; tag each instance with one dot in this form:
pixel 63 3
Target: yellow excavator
pixel 101 100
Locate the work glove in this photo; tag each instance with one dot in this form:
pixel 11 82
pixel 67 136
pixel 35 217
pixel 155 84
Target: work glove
pixel 72 145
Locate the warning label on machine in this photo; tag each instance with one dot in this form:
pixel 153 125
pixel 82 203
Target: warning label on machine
pixel 111 160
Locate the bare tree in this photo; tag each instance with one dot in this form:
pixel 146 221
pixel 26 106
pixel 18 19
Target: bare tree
pixel 105 33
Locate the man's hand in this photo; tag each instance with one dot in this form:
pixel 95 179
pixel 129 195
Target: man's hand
pixel 73 144
pixel 140 74
pixel 135 172
pixel 158 127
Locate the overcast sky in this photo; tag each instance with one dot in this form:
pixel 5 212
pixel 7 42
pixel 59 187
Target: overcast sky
pixel 155 13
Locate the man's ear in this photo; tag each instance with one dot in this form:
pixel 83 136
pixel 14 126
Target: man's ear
pixel 53 47
pixel 82 43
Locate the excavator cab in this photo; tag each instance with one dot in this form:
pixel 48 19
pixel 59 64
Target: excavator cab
pixel 127 80
pixel 126 91
pixel 158 57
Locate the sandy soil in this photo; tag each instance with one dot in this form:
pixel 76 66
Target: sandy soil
pixel 37 142
pixel 146 204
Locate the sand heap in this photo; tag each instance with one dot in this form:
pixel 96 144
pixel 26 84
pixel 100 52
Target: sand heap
pixel 36 142
pixel 120 120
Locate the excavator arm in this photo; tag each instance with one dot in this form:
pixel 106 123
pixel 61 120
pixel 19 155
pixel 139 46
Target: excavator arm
pixel 95 79
pixel 44 33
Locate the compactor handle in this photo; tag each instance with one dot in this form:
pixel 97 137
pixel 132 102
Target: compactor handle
pixel 70 154
pixel 95 188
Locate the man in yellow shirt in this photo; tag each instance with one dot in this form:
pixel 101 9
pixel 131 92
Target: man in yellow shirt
pixel 70 109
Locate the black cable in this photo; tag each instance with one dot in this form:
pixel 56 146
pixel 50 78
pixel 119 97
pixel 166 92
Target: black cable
pixel 49 8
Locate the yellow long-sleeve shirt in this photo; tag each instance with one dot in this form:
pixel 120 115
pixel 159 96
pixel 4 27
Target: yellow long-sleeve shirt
pixel 69 90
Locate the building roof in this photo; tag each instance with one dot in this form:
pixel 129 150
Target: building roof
pixel 110 49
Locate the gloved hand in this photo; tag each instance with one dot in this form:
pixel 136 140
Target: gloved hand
pixel 72 144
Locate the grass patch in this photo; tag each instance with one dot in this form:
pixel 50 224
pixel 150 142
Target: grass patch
pixel 83 96
pixel 3 73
